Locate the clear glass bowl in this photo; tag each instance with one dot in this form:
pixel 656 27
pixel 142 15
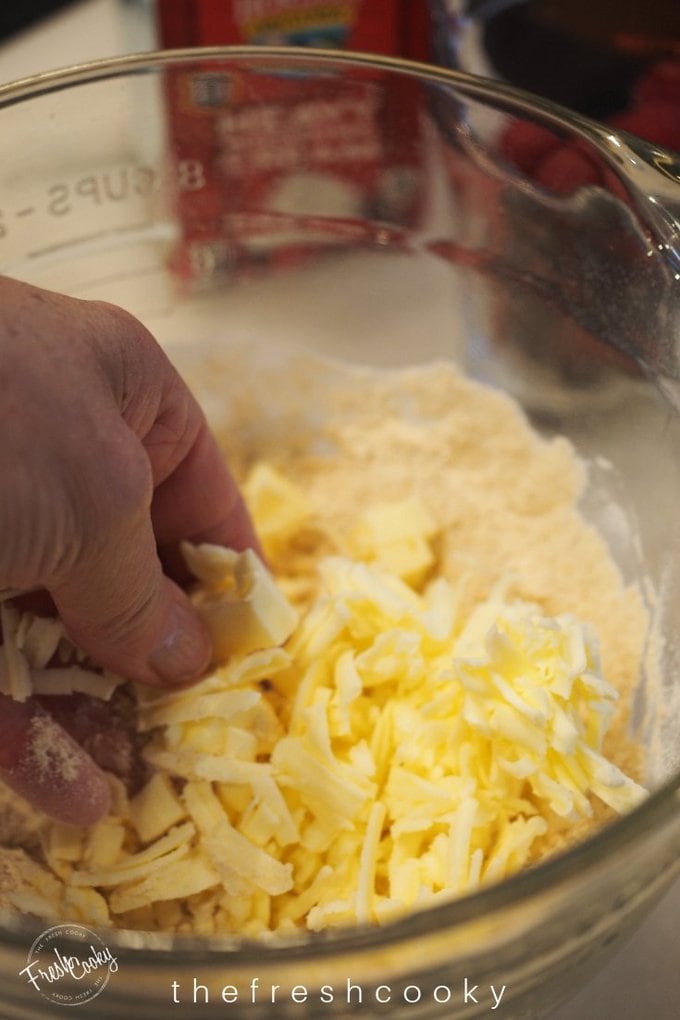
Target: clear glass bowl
pixel 392 219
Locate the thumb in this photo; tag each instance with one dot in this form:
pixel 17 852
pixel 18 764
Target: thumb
pixel 119 607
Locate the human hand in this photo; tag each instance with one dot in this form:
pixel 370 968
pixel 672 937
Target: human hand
pixel 105 458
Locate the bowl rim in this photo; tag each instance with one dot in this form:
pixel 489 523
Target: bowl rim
pixel 657 810
pixel 154 60
pixel 629 157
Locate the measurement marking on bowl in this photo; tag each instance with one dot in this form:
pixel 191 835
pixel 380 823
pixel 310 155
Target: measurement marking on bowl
pixel 131 274
pixel 73 242
pixel 101 190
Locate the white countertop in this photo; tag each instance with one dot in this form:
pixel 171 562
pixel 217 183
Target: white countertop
pixel 643 980
pixel 85 30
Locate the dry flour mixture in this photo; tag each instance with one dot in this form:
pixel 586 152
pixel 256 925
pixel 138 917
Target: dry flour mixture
pixel 431 694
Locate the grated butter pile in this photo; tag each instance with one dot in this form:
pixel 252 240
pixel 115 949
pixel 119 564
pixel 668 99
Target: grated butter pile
pixel 379 731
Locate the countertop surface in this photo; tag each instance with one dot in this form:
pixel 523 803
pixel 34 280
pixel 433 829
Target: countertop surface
pixel 643 980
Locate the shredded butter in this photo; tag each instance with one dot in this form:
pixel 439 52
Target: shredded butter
pixel 413 712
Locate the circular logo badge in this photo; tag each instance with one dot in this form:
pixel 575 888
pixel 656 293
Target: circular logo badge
pixel 69 964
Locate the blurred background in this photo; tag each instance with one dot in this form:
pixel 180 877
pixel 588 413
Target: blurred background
pixel 615 60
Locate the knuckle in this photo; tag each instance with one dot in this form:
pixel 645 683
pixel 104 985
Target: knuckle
pixel 124 347
pixel 174 432
pixel 117 318
pixel 129 474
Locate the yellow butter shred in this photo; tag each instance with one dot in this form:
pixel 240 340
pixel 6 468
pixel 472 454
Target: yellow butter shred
pixel 383 745
pixel 385 749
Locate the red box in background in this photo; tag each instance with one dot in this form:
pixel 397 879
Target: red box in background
pixel 393 27
pixel 265 162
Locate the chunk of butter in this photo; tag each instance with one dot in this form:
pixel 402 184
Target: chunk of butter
pixel 397 751
pixel 156 808
pixel 242 607
pixel 398 536
pixel 278 507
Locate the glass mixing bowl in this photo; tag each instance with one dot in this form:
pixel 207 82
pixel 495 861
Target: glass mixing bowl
pixel 389 214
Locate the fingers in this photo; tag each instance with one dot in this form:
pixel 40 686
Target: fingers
pixel 43 764
pixel 114 422
pixel 96 418
pixel 200 501
pixel 164 480
pixel 118 606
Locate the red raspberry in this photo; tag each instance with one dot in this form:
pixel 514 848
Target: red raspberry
pixel 653 120
pixel 525 145
pixel 660 83
pixel 566 169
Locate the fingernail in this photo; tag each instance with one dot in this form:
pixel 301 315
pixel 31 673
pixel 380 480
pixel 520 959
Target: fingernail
pixel 184 649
